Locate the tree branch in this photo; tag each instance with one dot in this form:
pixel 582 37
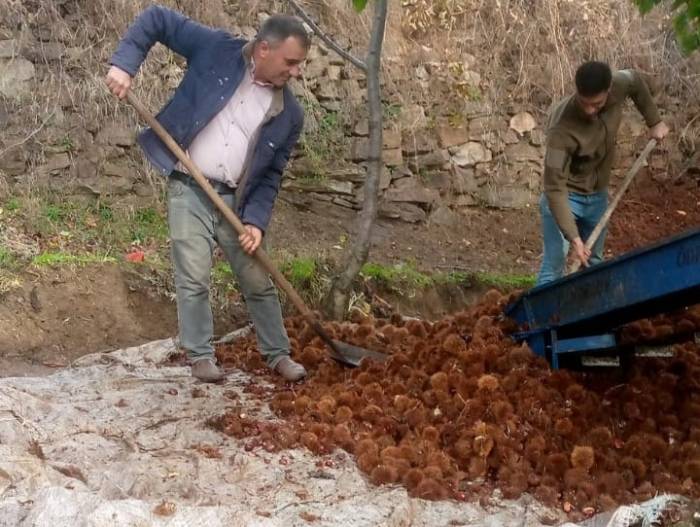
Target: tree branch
pixel 328 40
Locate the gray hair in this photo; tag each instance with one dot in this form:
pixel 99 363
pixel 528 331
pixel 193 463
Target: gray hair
pixel 278 28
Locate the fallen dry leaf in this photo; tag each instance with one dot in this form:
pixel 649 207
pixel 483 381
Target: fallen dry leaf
pixel 307 516
pixel 165 508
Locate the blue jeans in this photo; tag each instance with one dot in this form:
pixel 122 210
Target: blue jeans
pixel 587 210
pixel 195 226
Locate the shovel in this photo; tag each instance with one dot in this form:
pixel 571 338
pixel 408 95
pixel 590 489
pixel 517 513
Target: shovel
pixel 340 351
pixel 605 218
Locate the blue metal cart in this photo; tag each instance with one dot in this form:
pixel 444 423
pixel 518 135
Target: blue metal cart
pixel 582 312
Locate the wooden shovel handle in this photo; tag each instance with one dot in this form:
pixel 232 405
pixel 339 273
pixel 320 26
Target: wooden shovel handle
pixel 590 242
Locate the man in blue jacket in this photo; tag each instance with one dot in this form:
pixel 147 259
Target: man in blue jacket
pixel 238 121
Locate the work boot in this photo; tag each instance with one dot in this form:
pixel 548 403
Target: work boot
pixel 206 371
pixel 290 370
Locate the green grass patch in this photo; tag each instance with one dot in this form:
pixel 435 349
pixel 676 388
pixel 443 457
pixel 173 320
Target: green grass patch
pixel 148 225
pixel 303 273
pixel 7 259
pixel 12 205
pixel 56 212
pixel 395 275
pixel 405 274
pixel 323 141
pixel 59 258
pixel 506 281
pixel 222 272
pixel 223 281
pixel 101 225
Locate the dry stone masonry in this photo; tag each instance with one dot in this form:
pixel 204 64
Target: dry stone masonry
pixel 438 160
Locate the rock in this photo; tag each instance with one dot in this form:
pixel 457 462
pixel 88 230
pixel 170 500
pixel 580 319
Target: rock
pixel 439 180
pixel 537 137
pixel 384 179
pixel 411 190
pixel 313 54
pixel 415 142
pixel 330 105
pixel 354 93
pixel 322 186
pixel 523 152
pixel 522 122
pixel 144 190
pixel 528 175
pixel 412 117
pixel 444 217
pixel 315 69
pixel 85 169
pixel 40 52
pixel 345 203
pixel 392 157
pixel 361 128
pixel 360 149
pixel 55 163
pixel 506 197
pixel 13 163
pixel 402 211
pixel 301 167
pixel 114 169
pixel 360 152
pixel 391 138
pixel 327 91
pixel 510 137
pixel 464 181
pixel 116 134
pixel 400 172
pixel 470 154
pixel 464 200
pixel 9 49
pixel 333 73
pixel 317 196
pixel 483 128
pixel 449 136
pixel 435 159
pixel 103 184
pixel 15 75
pixel 355 174
pixel 475 109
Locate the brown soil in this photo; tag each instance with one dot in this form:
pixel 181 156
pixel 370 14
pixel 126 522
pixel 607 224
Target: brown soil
pixel 498 241
pixel 459 409
pixel 59 315
pixel 653 210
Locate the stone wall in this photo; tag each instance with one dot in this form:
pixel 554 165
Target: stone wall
pixel 438 158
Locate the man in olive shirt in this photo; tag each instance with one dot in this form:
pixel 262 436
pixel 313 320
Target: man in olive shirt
pixel 579 156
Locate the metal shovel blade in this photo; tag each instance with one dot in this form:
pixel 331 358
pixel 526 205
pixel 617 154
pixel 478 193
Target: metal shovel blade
pixel 353 355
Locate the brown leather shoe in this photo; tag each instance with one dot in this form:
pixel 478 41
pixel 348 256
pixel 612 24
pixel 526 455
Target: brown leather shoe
pixel 290 370
pixel 206 371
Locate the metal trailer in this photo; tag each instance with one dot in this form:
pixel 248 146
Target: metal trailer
pixel 581 314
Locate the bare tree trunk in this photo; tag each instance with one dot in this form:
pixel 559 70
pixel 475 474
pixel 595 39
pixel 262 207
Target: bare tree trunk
pixel 337 300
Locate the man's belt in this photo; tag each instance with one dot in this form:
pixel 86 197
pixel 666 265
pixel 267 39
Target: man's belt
pixel 220 187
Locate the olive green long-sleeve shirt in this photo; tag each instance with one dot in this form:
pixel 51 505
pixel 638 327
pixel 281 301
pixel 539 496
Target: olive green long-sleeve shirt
pixel 581 150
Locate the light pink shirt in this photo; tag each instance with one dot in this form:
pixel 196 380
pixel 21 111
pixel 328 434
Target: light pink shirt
pixel 220 148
